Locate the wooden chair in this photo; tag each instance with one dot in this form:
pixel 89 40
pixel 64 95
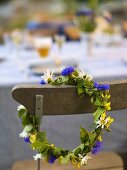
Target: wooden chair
pixel 63 100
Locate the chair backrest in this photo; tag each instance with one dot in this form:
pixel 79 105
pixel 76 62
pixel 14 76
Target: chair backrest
pixel 63 100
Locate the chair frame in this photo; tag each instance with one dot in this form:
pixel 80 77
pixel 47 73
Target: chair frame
pixel 63 100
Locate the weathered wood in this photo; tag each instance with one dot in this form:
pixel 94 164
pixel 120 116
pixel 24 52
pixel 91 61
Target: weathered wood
pixel 63 100
pixel 103 161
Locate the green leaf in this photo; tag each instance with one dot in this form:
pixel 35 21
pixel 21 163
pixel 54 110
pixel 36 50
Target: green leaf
pixel 81 146
pixel 92 136
pixel 27 120
pixel 57 81
pixel 86 149
pixel 89 91
pixel 43 148
pixel 75 73
pixel 46 152
pixel 58 150
pixel 37 145
pixel 98 112
pixel 64 79
pixel 80 83
pixel 28 128
pixel 36 120
pixel 77 151
pixel 98 102
pixel 98 130
pixel 42 136
pixel 84 136
pixel 64 160
pixel 87 83
pixel 80 90
pixel 21 113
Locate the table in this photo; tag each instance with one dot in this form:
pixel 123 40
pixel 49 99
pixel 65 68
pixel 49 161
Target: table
pixel 103 58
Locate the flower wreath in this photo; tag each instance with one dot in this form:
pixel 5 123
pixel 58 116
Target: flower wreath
pixel 91 142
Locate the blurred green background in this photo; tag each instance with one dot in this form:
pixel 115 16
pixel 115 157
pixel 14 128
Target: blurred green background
pixel 16 13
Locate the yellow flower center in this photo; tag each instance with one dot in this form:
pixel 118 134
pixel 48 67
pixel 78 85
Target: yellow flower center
pixel 33 138
pixel 102 122
pixel 109 122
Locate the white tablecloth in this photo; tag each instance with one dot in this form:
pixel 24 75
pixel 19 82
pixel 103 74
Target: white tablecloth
pixel 105 62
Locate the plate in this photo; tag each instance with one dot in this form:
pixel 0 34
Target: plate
pixel 2 59
pixel 124 60
pixel 40 68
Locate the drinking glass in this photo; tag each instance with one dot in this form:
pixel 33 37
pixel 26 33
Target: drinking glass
pixel 43 46
pixel 59 39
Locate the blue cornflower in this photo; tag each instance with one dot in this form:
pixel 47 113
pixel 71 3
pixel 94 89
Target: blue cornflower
pixel 84 12
pixel 101 86
pixel 52 159
pixel 26 139
pixel 95 84
pixel 42 82
pixel 97 148
pixel 67 71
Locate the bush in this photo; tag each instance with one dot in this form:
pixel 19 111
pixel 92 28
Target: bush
pixel 4 1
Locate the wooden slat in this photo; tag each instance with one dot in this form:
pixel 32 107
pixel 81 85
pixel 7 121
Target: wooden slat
pixel 103 161
pixel 64 100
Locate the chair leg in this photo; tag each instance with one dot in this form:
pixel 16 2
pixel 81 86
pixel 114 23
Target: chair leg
pixel 38 164
pixel 39 114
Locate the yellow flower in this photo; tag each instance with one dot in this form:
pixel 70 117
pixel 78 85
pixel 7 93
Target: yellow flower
pixel 75 163
pixel 33 138
pixel 109 121
pixel 78 165
pixel 104 122
pixel 106 96
pixel 103 116
pixel 100 138
pixel 101 122
pixel 107 106
pixel 52 145
pixel 102 95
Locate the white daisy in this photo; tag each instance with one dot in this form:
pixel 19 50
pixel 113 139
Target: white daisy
pixel 81 73
pixel 37 156
pixel 103 121
pixel 84 159
pixel 47 76
pixel 20 107
pixel 99 123
pixel 89 77
pixel 24 134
